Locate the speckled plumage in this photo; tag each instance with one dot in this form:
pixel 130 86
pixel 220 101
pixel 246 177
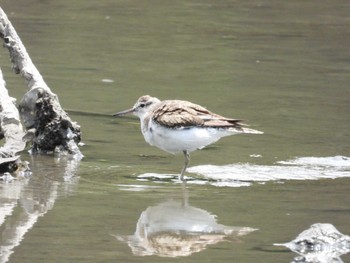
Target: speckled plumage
pixel 179 113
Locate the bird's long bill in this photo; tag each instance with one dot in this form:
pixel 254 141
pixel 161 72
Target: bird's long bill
pixel 124 112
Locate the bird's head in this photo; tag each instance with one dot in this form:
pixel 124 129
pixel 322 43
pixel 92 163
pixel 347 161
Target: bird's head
pixel 143 105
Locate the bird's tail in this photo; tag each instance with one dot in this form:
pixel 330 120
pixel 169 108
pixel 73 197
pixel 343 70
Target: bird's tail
pixel 248 130
pixel 245 130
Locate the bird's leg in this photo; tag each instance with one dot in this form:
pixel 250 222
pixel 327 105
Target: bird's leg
pixel 187 160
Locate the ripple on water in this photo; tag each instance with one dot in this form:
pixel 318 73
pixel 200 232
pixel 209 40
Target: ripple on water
pixel 244 174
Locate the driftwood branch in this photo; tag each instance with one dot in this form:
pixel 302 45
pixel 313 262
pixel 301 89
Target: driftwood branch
pixel 49 127
pixel 11 130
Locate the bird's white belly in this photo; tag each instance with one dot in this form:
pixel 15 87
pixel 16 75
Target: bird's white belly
pixel 182 139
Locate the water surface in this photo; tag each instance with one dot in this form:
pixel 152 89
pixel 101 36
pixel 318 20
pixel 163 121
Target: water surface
pixel 282 66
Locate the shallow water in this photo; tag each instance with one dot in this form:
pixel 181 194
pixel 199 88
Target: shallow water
pixel 283 67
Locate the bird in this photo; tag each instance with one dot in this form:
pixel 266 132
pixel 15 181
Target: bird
pixel 176 126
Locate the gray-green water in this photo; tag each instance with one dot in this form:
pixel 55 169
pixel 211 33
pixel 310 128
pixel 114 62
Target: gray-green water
pixel 284 66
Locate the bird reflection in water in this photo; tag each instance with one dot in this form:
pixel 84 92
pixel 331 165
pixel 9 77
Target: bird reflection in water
pixel 174 229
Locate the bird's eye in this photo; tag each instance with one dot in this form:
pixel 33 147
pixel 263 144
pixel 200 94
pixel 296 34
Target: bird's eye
pixel 142 105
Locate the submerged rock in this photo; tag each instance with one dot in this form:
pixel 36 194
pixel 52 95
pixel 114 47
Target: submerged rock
pixel 321 243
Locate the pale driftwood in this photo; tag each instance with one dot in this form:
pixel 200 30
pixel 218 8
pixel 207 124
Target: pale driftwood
pixel 50 127
pixel 11 130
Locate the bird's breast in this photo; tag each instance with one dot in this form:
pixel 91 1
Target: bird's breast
pixel 175 140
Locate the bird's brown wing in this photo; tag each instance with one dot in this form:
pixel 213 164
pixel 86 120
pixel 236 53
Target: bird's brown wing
pixel 177 113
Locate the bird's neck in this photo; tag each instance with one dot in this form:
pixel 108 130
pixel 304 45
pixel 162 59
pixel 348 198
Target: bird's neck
pixel 144 120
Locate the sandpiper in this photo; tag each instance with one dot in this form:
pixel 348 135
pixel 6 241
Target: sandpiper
pixel 181 126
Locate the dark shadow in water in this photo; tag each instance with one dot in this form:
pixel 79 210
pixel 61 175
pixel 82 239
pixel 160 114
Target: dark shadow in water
pixel 175 228
pixel 321 243
pixel 24 201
